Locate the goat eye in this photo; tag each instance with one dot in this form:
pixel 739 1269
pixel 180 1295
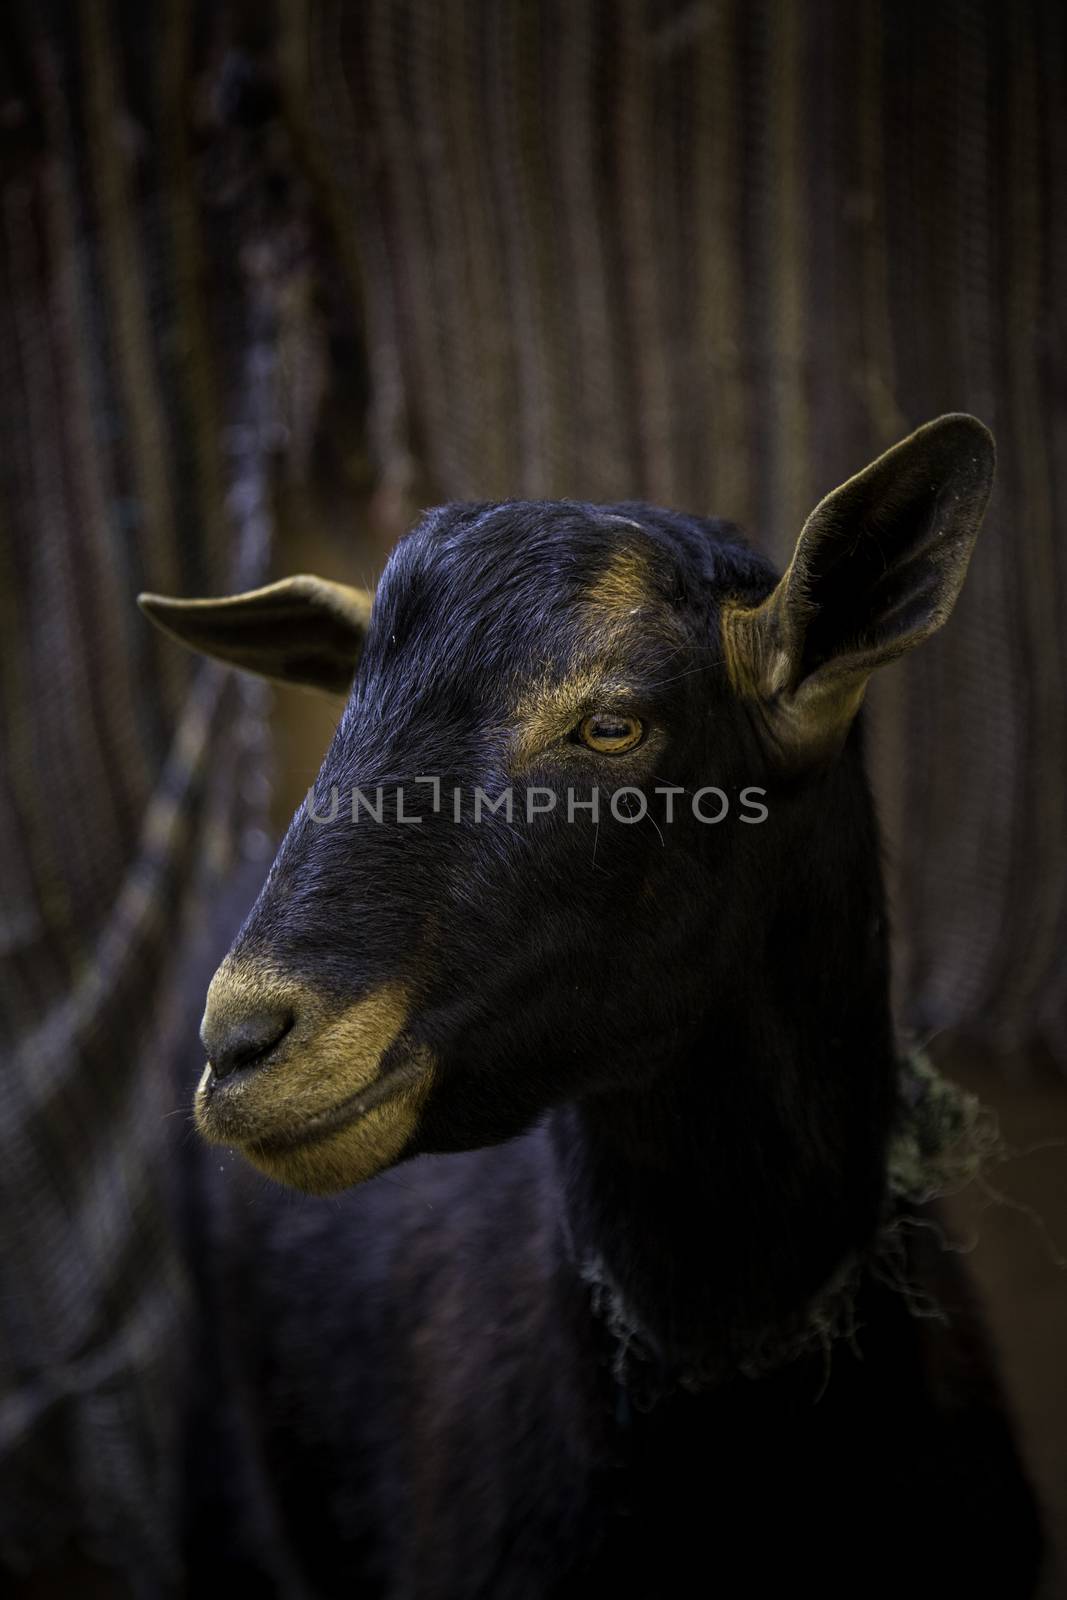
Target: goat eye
pixel 609 734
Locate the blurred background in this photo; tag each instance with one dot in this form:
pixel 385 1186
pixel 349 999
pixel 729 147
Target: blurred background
pixel 275 276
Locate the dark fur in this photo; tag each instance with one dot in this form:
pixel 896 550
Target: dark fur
pixel 678 1051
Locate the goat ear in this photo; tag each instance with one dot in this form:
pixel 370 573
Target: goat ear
pixel 303 630
pixel 877 568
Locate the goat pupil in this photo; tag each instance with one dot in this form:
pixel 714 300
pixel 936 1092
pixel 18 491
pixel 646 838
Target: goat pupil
pixel 610 733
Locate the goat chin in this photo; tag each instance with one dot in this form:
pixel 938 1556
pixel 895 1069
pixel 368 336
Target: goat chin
pixel 363 1147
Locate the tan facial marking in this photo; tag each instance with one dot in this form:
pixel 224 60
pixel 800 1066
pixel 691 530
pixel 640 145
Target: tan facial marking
pixel 549 707
pixel 239 986
pixel 624 586
pixel 546 709
pixel 327 1059
pixel 355 1152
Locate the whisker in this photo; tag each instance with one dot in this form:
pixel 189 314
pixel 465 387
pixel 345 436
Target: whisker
pixel 661 683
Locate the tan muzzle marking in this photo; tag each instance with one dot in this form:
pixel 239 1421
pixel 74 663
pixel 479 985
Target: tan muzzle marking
pixel 327 1060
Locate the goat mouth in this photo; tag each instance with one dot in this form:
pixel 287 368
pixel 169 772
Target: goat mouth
pixel 322 1125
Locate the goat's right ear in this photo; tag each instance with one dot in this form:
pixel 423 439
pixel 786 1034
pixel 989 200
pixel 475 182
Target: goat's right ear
pixel 303 630
pixel 877 569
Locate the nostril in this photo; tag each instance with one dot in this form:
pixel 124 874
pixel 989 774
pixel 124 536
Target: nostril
pixel 246 1041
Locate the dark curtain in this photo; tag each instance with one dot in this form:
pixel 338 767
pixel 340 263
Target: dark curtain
pixel 717 256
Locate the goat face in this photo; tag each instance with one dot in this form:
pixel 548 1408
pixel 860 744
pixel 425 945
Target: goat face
pixel 435 979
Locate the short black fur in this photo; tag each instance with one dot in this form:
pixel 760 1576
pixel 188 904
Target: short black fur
pixel 665 1057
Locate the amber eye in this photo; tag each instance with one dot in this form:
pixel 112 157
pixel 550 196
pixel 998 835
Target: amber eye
pixel 609 733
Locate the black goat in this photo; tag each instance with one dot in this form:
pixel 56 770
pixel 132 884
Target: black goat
pixel 582 1345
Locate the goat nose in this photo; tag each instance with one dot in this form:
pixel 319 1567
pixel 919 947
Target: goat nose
pixel 236 1043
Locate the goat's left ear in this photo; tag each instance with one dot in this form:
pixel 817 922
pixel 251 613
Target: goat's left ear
pixel 877 568
pixel 303 630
